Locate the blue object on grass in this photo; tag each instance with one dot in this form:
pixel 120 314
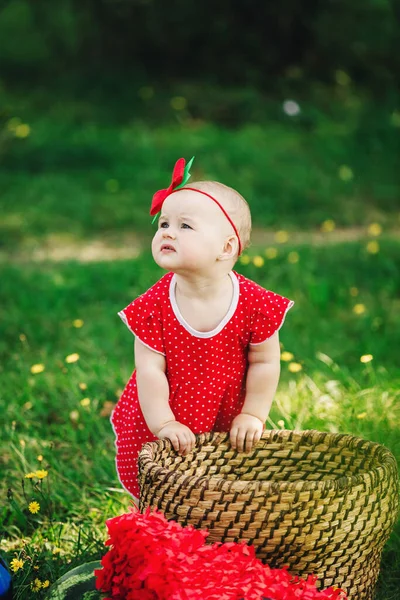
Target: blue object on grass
pixel 5 582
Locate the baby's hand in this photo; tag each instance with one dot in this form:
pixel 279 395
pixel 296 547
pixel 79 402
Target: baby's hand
pixel 246 431
pixel 182 438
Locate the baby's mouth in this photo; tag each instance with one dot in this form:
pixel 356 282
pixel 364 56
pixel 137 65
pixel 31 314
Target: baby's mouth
pixel 167 248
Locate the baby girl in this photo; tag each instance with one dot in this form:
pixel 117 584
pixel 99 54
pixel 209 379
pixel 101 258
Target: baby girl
pixel 207 351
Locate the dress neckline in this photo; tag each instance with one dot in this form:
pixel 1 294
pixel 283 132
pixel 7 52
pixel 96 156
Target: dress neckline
pixel 223 322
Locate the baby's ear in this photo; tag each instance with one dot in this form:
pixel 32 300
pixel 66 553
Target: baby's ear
pixel 230 249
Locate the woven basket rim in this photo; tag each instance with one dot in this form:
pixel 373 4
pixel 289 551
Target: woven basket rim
pixel 216 483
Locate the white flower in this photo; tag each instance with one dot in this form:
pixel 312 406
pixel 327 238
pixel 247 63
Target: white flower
pixel 291 108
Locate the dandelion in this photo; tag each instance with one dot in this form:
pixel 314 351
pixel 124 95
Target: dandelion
pixel 38 368
pixel 287 356
pixel 36 585
pixel 22 130
pixel 281 423
pixel 85 402
pixel 245 259
pixel 345 173
pixel 366 358
pixel 271 253
pixel 30 475
pixel 291 108
pixel 39 458
pixel 72 358
pixel 374 229
pixel 293 257
pixel 362 415
pixel 281 237
pixel 178 103
pixel 16 564
pixel 359 309
pixel 258 261
pixel 78 323
pixel 294 367
pixel 373 247
pixel 22 337
pixel 28 405
pixel 74 415
pixel 45 584
pixel 112 186
pixel 41 473
pixel 353 291
pixel 34 507
pixel 82 386
pixel 328 225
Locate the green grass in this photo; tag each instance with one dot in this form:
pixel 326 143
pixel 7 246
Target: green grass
pixel 44 416
pixel 88 171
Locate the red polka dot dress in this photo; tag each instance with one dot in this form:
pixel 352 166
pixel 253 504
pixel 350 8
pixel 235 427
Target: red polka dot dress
pixel 205 370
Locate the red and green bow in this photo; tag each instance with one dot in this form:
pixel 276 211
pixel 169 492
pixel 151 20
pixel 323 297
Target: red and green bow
pixel 180 177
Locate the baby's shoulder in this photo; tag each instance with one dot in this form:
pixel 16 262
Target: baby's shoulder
pixel 251 291
pixel 157 293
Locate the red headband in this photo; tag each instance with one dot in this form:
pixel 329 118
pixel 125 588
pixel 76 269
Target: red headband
pixel 180 176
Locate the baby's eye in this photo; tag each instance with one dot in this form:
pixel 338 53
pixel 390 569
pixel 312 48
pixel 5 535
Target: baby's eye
pixel 185 226
pixel 163 225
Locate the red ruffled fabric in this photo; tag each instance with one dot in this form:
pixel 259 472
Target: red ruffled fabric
pixel 155 559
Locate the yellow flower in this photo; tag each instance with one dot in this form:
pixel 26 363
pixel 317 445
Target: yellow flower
pixel 353 291
pixel 293 257
pixel 38 368
pixel 41 473
pixel 345 173
pixel 281 237
pixel 362 415
pixel 373 247
pixel 374 229
pixel 287 356
pixel 271 253
pixel 366 358
pixel 359 309
pixel 74 415
pixel 294 367
pixel 258 261
pixel 85 402
pixel 36 585
pixel 71 358
pixel 78 323
pixel 82 386
pixel 245 259
pixel 30 475
pixel 40 458
pixel 281 424
pixel 178 103
pixel 328 225
pixel 45 583
pixel 22 131
pixel 16 564
pixel 34 507
pixel 22 337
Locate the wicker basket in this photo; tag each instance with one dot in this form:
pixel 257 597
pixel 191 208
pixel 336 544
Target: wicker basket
pixel 320 503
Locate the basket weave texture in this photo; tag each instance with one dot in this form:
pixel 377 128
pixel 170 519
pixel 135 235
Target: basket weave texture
pixel 318 502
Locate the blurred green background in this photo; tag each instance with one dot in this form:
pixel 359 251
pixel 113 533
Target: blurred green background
pixel 298 107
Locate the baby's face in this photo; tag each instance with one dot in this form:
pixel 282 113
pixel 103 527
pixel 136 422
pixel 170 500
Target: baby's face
pixel 191 232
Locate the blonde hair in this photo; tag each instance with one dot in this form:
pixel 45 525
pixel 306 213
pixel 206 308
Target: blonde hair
pixel 234 204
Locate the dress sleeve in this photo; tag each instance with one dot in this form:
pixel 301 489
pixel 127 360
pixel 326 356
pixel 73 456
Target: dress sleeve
pixel 145 323
pixel 268 316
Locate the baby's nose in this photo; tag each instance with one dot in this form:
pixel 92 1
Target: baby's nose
pixel 169 233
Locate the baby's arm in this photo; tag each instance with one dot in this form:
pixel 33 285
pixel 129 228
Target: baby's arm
pixel 153 391
pixel 261 383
